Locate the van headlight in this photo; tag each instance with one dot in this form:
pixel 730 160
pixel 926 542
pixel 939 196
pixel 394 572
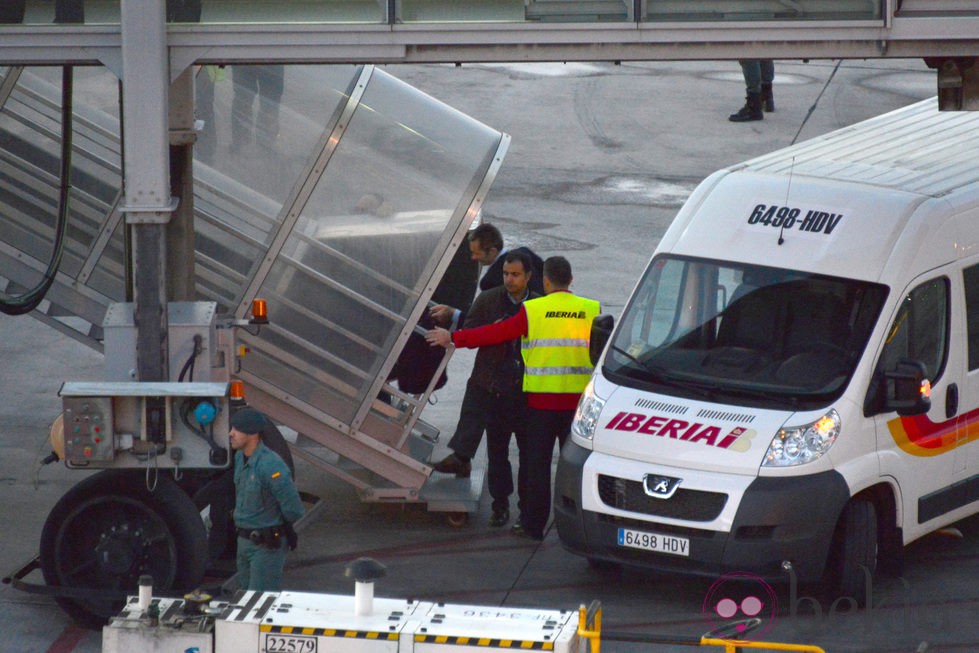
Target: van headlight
pixel 586 417
pixel 797 445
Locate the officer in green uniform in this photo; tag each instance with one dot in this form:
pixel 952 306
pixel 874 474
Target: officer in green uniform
pixel 266 504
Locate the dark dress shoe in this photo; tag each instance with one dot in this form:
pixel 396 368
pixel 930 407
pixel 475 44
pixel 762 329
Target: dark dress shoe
pixel 500 517
pixel 452 464
pixel 518 530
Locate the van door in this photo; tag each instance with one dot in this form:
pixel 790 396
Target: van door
pixel 919 451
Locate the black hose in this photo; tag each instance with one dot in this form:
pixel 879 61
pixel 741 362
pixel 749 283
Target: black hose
pixel 30 300
pixel 188 367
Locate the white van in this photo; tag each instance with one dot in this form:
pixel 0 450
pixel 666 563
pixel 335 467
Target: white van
pixel 763 403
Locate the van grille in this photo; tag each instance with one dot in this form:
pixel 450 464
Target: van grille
pixel 692 505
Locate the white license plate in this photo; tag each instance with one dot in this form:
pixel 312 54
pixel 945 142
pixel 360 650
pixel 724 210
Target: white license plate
pixel 276 643
pixel 678 546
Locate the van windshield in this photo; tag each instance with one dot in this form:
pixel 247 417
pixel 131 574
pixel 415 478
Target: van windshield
pixel 743 334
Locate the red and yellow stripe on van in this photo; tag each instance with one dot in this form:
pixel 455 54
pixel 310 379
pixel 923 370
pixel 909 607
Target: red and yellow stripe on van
pixel 919 436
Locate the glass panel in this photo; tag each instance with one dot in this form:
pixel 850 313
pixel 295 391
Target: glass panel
pixel 263 126
pixel 414 11
pixel 93 12
pixel 108 277
pixel 367 243
pixel 736 10
pixel 286 11
pixel 30 154
pixel 741 334
pixel 971 278
pixel 920 330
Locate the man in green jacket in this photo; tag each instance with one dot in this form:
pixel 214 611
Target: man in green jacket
pixel 266 504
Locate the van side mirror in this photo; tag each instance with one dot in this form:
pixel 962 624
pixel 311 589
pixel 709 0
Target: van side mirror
pixel 906 389
pixel 601 331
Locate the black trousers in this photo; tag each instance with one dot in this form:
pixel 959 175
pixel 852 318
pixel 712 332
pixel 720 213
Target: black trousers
pixel 507 416
pixel 544 428
pixel 473 415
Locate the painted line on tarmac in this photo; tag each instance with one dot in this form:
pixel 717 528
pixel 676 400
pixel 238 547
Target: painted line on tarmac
pixel 68 639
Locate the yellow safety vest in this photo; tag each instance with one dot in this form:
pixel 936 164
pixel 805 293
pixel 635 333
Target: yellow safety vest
pixel 555 350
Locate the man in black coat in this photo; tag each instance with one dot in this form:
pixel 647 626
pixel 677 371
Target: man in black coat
pixel 486 248
pixel 494 398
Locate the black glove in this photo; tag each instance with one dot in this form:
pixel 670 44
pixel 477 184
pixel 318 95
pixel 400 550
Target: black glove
pixel 292 538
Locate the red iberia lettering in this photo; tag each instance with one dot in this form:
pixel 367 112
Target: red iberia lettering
pixel 630 422
pixel 652 425
pixel 672 428
pixel 708 435
pixel 737 439
pixel 690 431
pixel 615 420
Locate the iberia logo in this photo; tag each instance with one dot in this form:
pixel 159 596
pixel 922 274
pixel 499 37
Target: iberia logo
pixel 737 439
pixel 919 436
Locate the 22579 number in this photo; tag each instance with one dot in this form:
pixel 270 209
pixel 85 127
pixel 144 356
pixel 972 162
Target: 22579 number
pixel 289 644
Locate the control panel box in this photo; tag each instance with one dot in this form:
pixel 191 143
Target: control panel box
pixel 88 428
pixel 132 424
pixel 191 342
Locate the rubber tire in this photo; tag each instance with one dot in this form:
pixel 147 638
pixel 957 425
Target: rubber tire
pixel 857 548
pixel 457 519
pixel 164 522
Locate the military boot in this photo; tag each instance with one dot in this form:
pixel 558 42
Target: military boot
pixel 767 99
pixel 750 111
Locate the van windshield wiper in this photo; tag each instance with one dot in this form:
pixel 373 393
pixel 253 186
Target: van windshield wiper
pixel 702 388
pixel 706 389
pixel 632 358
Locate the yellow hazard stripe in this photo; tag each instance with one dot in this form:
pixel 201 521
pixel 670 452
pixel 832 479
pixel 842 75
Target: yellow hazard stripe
pixel 527 645
pixel 327 632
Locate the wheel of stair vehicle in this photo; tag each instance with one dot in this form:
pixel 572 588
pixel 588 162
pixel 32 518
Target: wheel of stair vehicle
pixel 112 528
pixel 457 519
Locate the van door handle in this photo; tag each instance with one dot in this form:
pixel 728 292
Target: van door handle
pixel 951 401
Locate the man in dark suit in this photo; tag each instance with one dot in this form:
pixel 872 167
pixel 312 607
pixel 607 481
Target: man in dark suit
pixel 486 248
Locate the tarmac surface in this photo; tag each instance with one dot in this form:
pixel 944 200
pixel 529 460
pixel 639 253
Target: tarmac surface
pixel 602 157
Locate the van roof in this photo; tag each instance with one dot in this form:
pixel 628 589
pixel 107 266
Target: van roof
pixel 916 149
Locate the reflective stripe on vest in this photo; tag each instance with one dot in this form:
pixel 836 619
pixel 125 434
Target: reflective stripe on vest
pixel 555 351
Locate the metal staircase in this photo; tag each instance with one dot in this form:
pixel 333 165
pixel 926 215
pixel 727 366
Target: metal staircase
pixel 344 215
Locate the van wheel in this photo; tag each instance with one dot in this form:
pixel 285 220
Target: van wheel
pixel 856 550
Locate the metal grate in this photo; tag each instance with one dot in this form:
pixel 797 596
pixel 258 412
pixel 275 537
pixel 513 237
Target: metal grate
pixel 692 505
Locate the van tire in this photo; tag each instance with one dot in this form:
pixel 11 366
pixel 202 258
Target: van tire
pixel 856 551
